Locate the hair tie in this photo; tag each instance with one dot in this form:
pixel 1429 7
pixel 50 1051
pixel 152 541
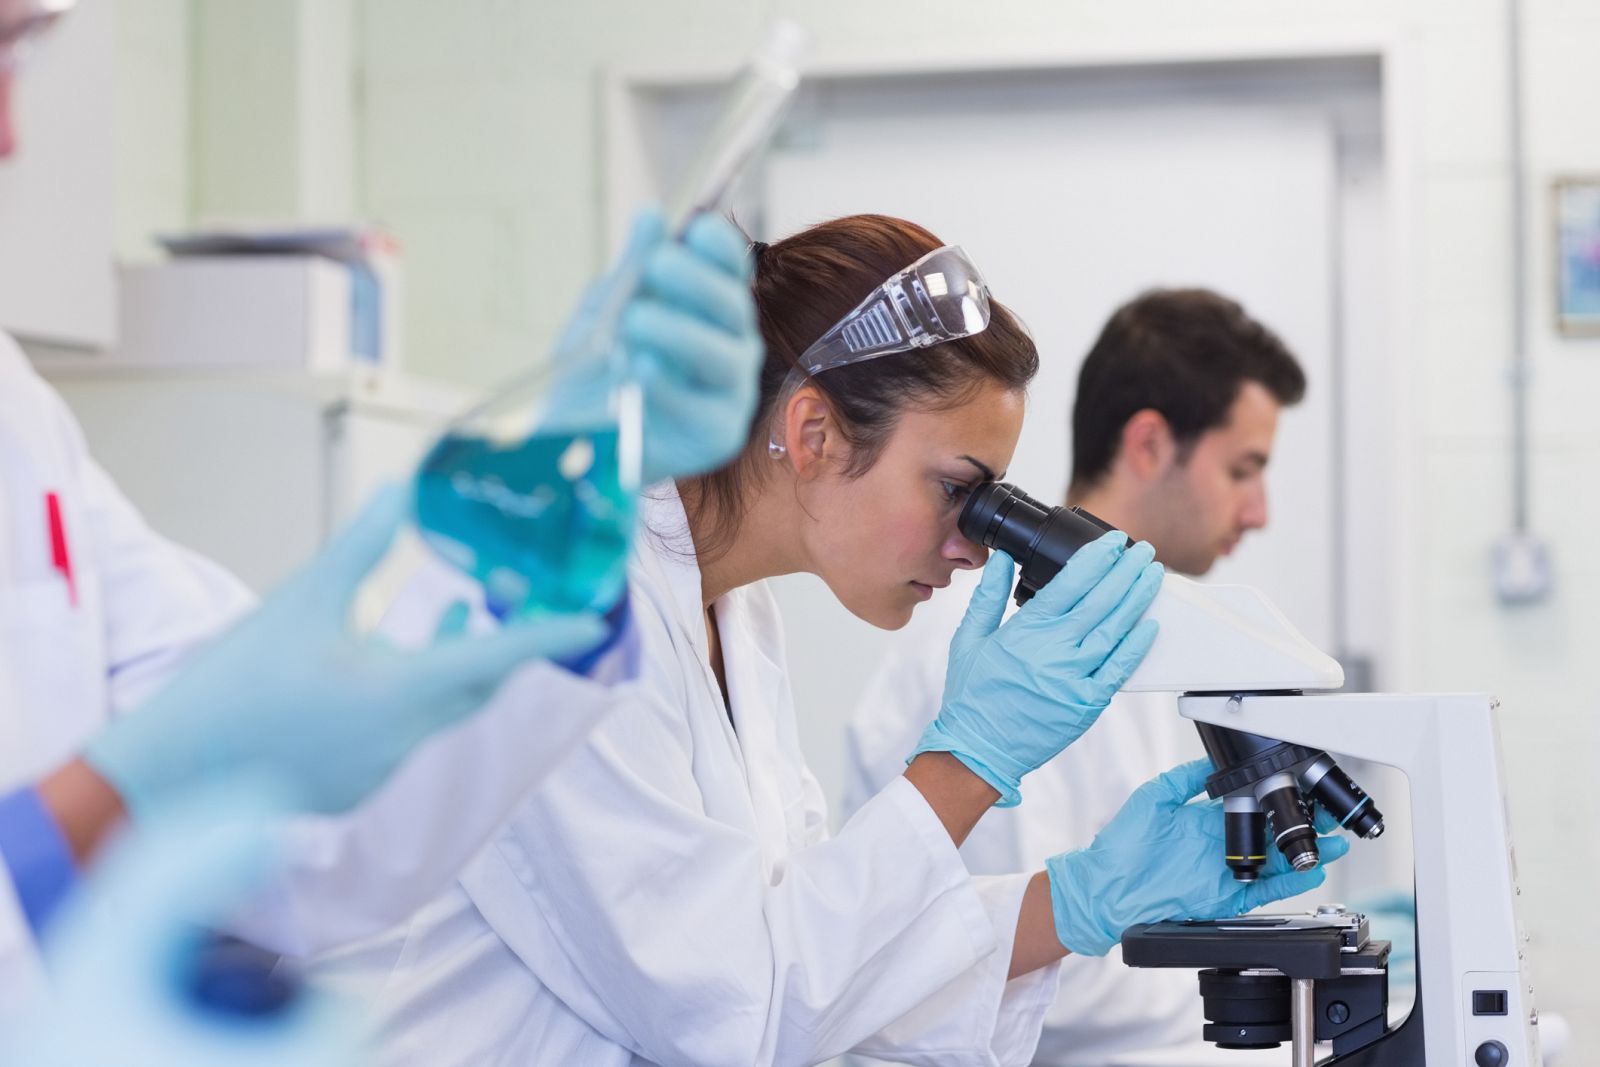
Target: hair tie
pixel 758 247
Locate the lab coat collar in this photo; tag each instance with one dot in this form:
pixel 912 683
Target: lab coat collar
pixel 665 523
pixel 665 539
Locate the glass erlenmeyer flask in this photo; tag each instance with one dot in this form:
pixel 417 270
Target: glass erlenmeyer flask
pixel 534 493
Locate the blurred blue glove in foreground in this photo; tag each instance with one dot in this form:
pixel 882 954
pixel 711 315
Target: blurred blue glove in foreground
pixel 293 694
pixel 1161 858
pixel 1017 693
pixel 124 958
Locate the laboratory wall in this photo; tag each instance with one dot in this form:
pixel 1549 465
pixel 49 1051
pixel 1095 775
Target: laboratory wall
pixel 153 123
pixel 476 137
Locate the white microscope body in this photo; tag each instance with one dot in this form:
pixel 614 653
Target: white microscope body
pixel 1243 670
pixel 1233 655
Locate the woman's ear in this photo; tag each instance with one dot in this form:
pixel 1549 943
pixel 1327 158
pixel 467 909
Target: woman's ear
pixel 810 433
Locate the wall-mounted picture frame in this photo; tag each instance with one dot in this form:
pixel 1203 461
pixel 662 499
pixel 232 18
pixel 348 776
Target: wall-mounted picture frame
pixel 1576 208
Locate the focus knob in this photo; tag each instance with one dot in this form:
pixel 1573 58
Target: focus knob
pixel 1491 1054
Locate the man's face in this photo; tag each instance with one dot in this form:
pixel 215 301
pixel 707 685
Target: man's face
pixel 1205 503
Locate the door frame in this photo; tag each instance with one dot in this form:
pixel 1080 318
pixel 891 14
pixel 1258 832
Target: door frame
pixel 630 93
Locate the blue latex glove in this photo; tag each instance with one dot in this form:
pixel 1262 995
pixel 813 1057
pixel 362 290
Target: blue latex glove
pixel 1161 858
pixel 691 339
pixel 292 694
pixel 124 956
pixel 1016 694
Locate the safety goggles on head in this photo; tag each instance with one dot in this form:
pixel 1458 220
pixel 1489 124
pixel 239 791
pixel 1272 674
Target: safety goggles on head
pixel 22 22
pixel 941 297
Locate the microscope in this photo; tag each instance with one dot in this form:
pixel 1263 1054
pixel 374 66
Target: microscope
pixel 1263 700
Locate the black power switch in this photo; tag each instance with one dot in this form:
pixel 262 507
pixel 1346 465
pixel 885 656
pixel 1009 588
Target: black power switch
pixel 1491 1054
pixel 1488 1002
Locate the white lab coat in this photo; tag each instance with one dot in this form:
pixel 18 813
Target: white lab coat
pixel 1103 1008
pixel 671 895
pixel 142 604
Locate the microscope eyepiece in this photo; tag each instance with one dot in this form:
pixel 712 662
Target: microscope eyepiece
pixel 1041 539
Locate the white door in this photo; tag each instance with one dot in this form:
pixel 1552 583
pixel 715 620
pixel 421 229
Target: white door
pixel 1071 210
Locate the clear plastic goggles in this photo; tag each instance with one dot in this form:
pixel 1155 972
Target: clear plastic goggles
pixel 941 297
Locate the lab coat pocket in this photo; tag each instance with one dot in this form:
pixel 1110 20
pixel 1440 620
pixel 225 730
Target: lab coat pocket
pixel 52 678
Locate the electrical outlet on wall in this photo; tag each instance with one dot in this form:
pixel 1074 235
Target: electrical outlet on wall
pixel 1521 566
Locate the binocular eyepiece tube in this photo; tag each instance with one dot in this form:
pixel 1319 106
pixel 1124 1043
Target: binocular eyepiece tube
pixel 1041 539
pixel 1263 782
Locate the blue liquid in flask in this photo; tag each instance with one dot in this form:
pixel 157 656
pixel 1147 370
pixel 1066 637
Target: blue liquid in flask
pixel 543 524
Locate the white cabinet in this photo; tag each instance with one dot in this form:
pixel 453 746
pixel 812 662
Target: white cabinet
pixel 254 470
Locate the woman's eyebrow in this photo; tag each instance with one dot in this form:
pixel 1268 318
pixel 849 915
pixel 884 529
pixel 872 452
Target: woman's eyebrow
pixel 988 474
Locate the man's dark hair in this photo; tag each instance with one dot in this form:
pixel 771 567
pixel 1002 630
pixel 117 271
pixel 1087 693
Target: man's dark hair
pixel 1184 353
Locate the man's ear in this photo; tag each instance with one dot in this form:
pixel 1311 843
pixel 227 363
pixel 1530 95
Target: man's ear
pixel 811 435
pixel 1148 448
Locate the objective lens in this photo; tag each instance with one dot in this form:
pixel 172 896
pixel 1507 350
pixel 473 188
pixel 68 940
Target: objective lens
pixel 1244 837
pixel 1292 828
pixel 1346 801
